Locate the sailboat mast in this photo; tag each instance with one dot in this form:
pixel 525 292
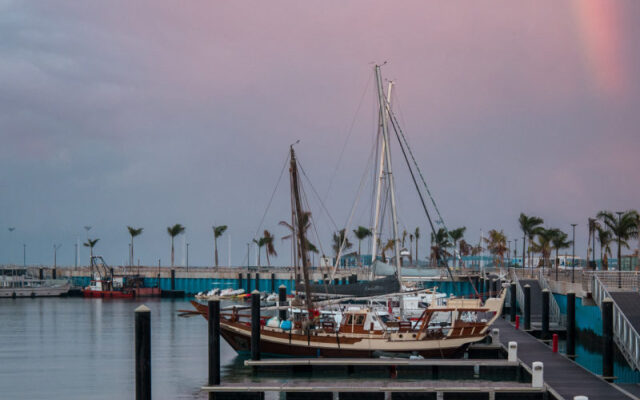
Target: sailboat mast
pixel 387 153
pixel 302 242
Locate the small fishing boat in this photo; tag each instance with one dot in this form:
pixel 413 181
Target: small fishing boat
pixel 15 282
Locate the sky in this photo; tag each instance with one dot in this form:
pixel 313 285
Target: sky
pixel 152 113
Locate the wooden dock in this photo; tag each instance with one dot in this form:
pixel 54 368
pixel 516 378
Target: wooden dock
pixel 563 376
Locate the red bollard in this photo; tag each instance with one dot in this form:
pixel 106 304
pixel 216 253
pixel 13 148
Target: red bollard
pixel 517 322
pixel 554 346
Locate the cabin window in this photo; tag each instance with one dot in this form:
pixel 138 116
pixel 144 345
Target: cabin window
pixel 349 319
pixel 359 320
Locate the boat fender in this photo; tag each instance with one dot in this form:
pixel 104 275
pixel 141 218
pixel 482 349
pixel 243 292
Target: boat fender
pixel 273 322
pixel 285 325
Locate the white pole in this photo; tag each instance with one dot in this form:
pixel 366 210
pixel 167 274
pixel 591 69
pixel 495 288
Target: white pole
pixel 229 251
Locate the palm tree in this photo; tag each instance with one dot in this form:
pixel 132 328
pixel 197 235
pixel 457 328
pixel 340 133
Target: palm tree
pixel 624 227
pixel 604 237
pixel 270 250
pixel 439 245
pixel 456 235
pixel 497 245
pixel 591 240
pixel 530 227
pixel 133 232
pixel 411 247
pixel 217 232
pixel 340 241
pixel 174 231
pixel 260 242
pixel 91 244
pixel 361 233
pixel 559 241
pixel 543 245
pixel 306 223
pixel 416 234
pixel 388 246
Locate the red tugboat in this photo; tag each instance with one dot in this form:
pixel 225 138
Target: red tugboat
pixel 104 284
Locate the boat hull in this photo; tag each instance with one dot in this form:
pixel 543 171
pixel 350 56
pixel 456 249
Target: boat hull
pixel 107 294
pixel 52 291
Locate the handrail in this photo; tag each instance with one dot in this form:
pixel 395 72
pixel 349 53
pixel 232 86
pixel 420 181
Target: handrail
pixel 624 333
pixel 519 291
pixel 554 309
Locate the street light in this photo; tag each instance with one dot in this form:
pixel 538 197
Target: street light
pixel 573 255
pixel 55 254
pixel 619 254
pixel 187 257
pixel 24 255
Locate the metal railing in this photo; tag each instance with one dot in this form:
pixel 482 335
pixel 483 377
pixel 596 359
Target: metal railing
pixel 624 334
pixel 554 309
pixel 519 291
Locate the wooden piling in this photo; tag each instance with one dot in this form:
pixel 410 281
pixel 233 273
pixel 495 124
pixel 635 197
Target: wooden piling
pixel 282 301
pixel 173 279
pixel 527 307
pixel 214 342
pixel 143 352
pixel 255 325
pixel 257 286
pixel 571 325
pixel 273 283
pixel 513 299
pixel 545 314
pixel 607 339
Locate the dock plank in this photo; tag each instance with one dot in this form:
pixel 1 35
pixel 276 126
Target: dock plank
pixel 564 376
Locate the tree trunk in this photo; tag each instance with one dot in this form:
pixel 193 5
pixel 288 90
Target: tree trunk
pixel 417 251
pixel 524 246
pixel 259 251
pixel 215 249
pixel 131 255
pixel 172 251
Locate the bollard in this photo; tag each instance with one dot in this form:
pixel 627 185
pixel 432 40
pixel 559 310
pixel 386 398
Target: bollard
pixel 537 374
pixel 554 346
pixel 257 281
pixel 273 283
pixel 282 301
pixel 336 281
pixel 495 336
pixel 545 314
pixel 513 299
pixel 54 274
pixel 571 325
pixel 517 322
pixel 143 352
pixel 173 279
pixel 255 325
pixel 213 318
pixel 580 398
pixel 41 274
pixel 607 339
pixel 512 352
pixel 240 284
pixel 527 307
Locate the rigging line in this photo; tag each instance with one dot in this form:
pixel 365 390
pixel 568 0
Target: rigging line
pixel 396 127
pixel 344 146
pixel 404 153
pixel 272 196
pixel 313 189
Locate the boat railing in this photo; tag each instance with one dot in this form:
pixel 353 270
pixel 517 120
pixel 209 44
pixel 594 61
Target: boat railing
pixel 624 334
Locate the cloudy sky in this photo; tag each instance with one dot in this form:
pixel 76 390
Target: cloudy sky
pixel 152 113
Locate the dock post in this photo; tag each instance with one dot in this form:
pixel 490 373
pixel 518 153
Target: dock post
pixel 54 274
pixel 545 314
pixel 607 339
pixel 257 281
pixel 240 285
pixel 351 279
pixel 282 301
pixel 255 325
pixel 336 281
pixel 273 282
pixel 143 352
pixel 554 345
pixel 41 274
pixel 355 278
pixel 527 307
pixel 344 280
pixel 513 298
pixel 173 279
pixel 571 325
pixel 213 316
pixel 487 289
pixel 512 354
pixel 537 374
pixel 325 278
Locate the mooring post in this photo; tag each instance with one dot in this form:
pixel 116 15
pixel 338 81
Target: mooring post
pixel 41 273
pixel 54 274
pixel 527 307
pixel 513 298
pixel 344 280
pixel 355 278
pixel 607 339
pixel 273 282
pixel 255 325
pixel 351 279
pixel 240 284
pixel 336 281
pixel 213 316
pixel 554 343
pixel 325 277
pixel 258 281
pixel 545 314
pixel 537 374
pixel 571 325
pixel 173 279
pixel 143 352
pixel 282 301
pixel 512 352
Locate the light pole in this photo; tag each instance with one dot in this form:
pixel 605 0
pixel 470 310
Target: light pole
pixel 24 255
pixel 55 254
pixel 573 255
pixel 619 253
pixel 509 254
pixel 76 254
pixel 515 251
pixel 187 257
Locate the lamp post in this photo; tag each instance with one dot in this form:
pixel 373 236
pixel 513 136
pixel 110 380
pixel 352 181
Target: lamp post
pixel 24 255
pixel 515 251
pixel 509 254
pixel 55 254
pixel 573 255
pixel 187 257
pixel 619 253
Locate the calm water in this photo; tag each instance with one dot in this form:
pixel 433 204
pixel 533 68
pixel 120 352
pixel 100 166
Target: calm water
pixel 74 348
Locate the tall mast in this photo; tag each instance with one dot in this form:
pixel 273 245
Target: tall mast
pixel 387 153
pixel 302 242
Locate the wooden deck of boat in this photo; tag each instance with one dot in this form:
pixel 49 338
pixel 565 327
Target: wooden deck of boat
pixel 562 375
